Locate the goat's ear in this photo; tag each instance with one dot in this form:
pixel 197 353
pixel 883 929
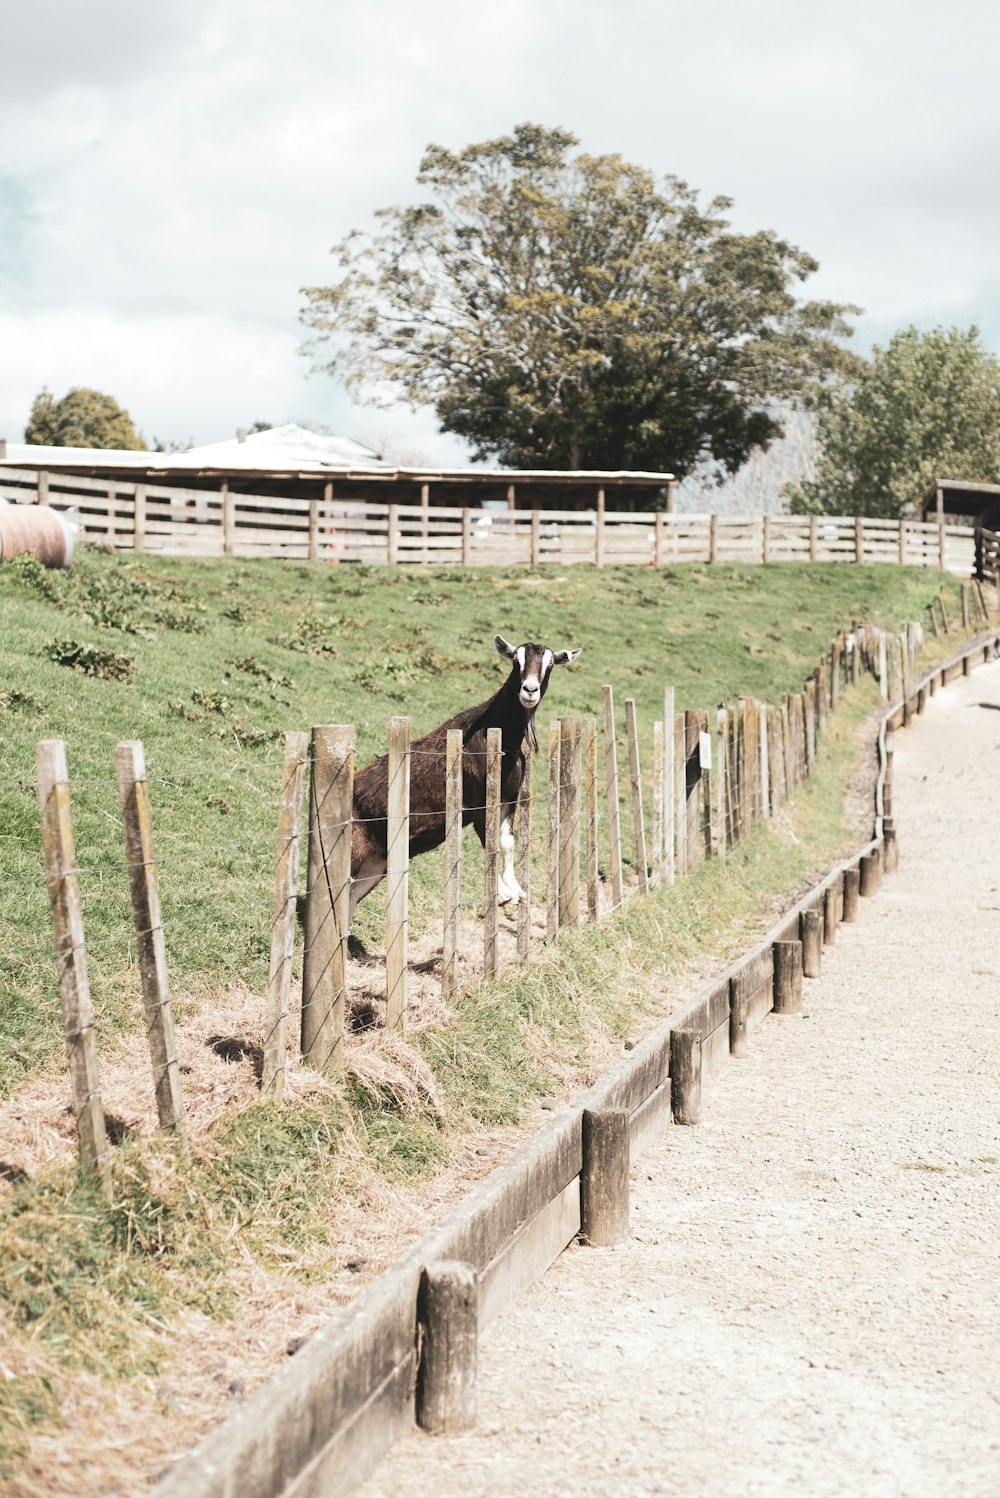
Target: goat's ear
pixel 503 648
pixel 565 657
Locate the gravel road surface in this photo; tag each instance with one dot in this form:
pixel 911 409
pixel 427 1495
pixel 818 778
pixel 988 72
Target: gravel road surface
pixel 809 1300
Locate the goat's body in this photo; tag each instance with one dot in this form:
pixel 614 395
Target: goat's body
pixel 369 834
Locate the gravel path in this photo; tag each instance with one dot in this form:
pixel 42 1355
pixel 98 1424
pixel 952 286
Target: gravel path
pixel 809 1300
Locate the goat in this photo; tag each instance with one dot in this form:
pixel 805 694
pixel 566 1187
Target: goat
pixel 512 710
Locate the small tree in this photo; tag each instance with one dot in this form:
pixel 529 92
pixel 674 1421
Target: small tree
pixel 82 418
pixel 568 311
pixel 927 406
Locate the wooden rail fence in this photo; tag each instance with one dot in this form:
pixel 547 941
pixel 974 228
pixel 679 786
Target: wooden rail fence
pixel 134 516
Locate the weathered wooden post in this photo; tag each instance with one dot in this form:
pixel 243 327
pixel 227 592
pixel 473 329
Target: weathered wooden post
pixel 604 1188
pixel 569 822
pixel 392 536
pixel 870 874
pixel 611 778
pixel 721 721
pixel 286 886
pixel 632 733
pixel 713 539
pixel 831 914
pixel 448 1312
pixel 228 519
pixel 852 888
pixel 524 857
pixel 788 977
pixel 133 791
pixel 494 760
pixel 739 999
pixel 705 764
pixel 811 931
pixel 139 518
pixel 452 935
pixel 669 798
pixel 62 879
pixel 680 792
pixel 552 892
pixel 328 897
pixel 692 784
pixel 656 852
pixel 685 1076
pixel 859 538
pixel 891 845
pixel 591 799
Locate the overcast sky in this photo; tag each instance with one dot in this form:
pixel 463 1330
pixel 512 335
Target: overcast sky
pixel 171 174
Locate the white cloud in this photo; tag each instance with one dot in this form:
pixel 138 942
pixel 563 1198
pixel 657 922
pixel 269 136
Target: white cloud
pixel 176 172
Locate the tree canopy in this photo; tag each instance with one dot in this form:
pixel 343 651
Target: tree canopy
pixel 82 418
pixel 561 310
pixel 926 406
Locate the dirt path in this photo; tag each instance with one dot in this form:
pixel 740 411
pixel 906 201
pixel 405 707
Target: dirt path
pixel 809 1299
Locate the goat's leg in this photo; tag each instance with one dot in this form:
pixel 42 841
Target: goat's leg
pixel 509 889
pixel 371 873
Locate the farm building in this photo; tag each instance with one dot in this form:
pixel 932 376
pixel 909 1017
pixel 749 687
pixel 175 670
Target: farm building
pixel 292 462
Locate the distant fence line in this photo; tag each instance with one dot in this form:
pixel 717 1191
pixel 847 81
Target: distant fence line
pixel 202 522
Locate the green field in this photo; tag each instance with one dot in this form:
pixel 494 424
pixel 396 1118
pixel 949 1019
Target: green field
pixel 209 663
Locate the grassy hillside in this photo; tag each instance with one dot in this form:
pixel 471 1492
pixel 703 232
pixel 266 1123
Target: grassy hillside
pixel 209 662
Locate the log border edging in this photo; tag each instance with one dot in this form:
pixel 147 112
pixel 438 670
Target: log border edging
pixel 324 1421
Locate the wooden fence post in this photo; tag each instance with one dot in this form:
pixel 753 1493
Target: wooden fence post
pixel 942 547
pixel 852 888
pixel 569 822
pixel 494 761
pixel 392 536
pixel 286 886
pixel 466 536
pixel 765 539
pixel 604 1189
pixel 452 936
pixel 656 852
pixel 658 539
pixel 685 1076
pixel 713 539
pixel 133 792
pixel 552 893
pixel 524 858
pixel 680 792
pixel 632 732
pixel 42 496
pixel 448 1312
pixel 811 932
pixel 705 765
pixel 328 897
pixel 669 798
pixel 312 553
pixel 788 977
pixel 902 543
pixel 692 784
pixel 813 537
pixel 228 519
pixel 592 795
pixel 139 518
pixel 536 538
pixel 765 765
pixel 739 999
pixel 870 874
pixel 611 777
pixel 720 781
pixel 52 787
pixel 859 538
pixel 831 914
pixel 599 531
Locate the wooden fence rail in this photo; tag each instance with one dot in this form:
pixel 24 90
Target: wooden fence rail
pixel 145 516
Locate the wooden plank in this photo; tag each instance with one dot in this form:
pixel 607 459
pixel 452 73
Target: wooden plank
pixel 649 1121
pixel 525 1257
pixel 656 852
pixel 669 772
pixel 715 1050
pixel 592 817
pixel 705 1011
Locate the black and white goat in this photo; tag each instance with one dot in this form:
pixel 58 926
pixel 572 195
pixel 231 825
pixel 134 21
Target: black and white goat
pixel 512 710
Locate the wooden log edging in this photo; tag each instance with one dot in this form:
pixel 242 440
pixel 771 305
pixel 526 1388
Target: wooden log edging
pixel 325 1420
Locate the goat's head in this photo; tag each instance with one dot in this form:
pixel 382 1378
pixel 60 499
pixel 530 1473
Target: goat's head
pixel 532 667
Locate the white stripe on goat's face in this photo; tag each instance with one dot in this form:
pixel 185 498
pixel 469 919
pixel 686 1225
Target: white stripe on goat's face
pixel 534 666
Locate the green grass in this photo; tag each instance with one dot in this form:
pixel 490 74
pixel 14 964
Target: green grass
pixel 223 657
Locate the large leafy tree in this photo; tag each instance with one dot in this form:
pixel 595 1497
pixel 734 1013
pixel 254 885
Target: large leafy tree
pixel 81 418
pixel 926 406
pixel 563 310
